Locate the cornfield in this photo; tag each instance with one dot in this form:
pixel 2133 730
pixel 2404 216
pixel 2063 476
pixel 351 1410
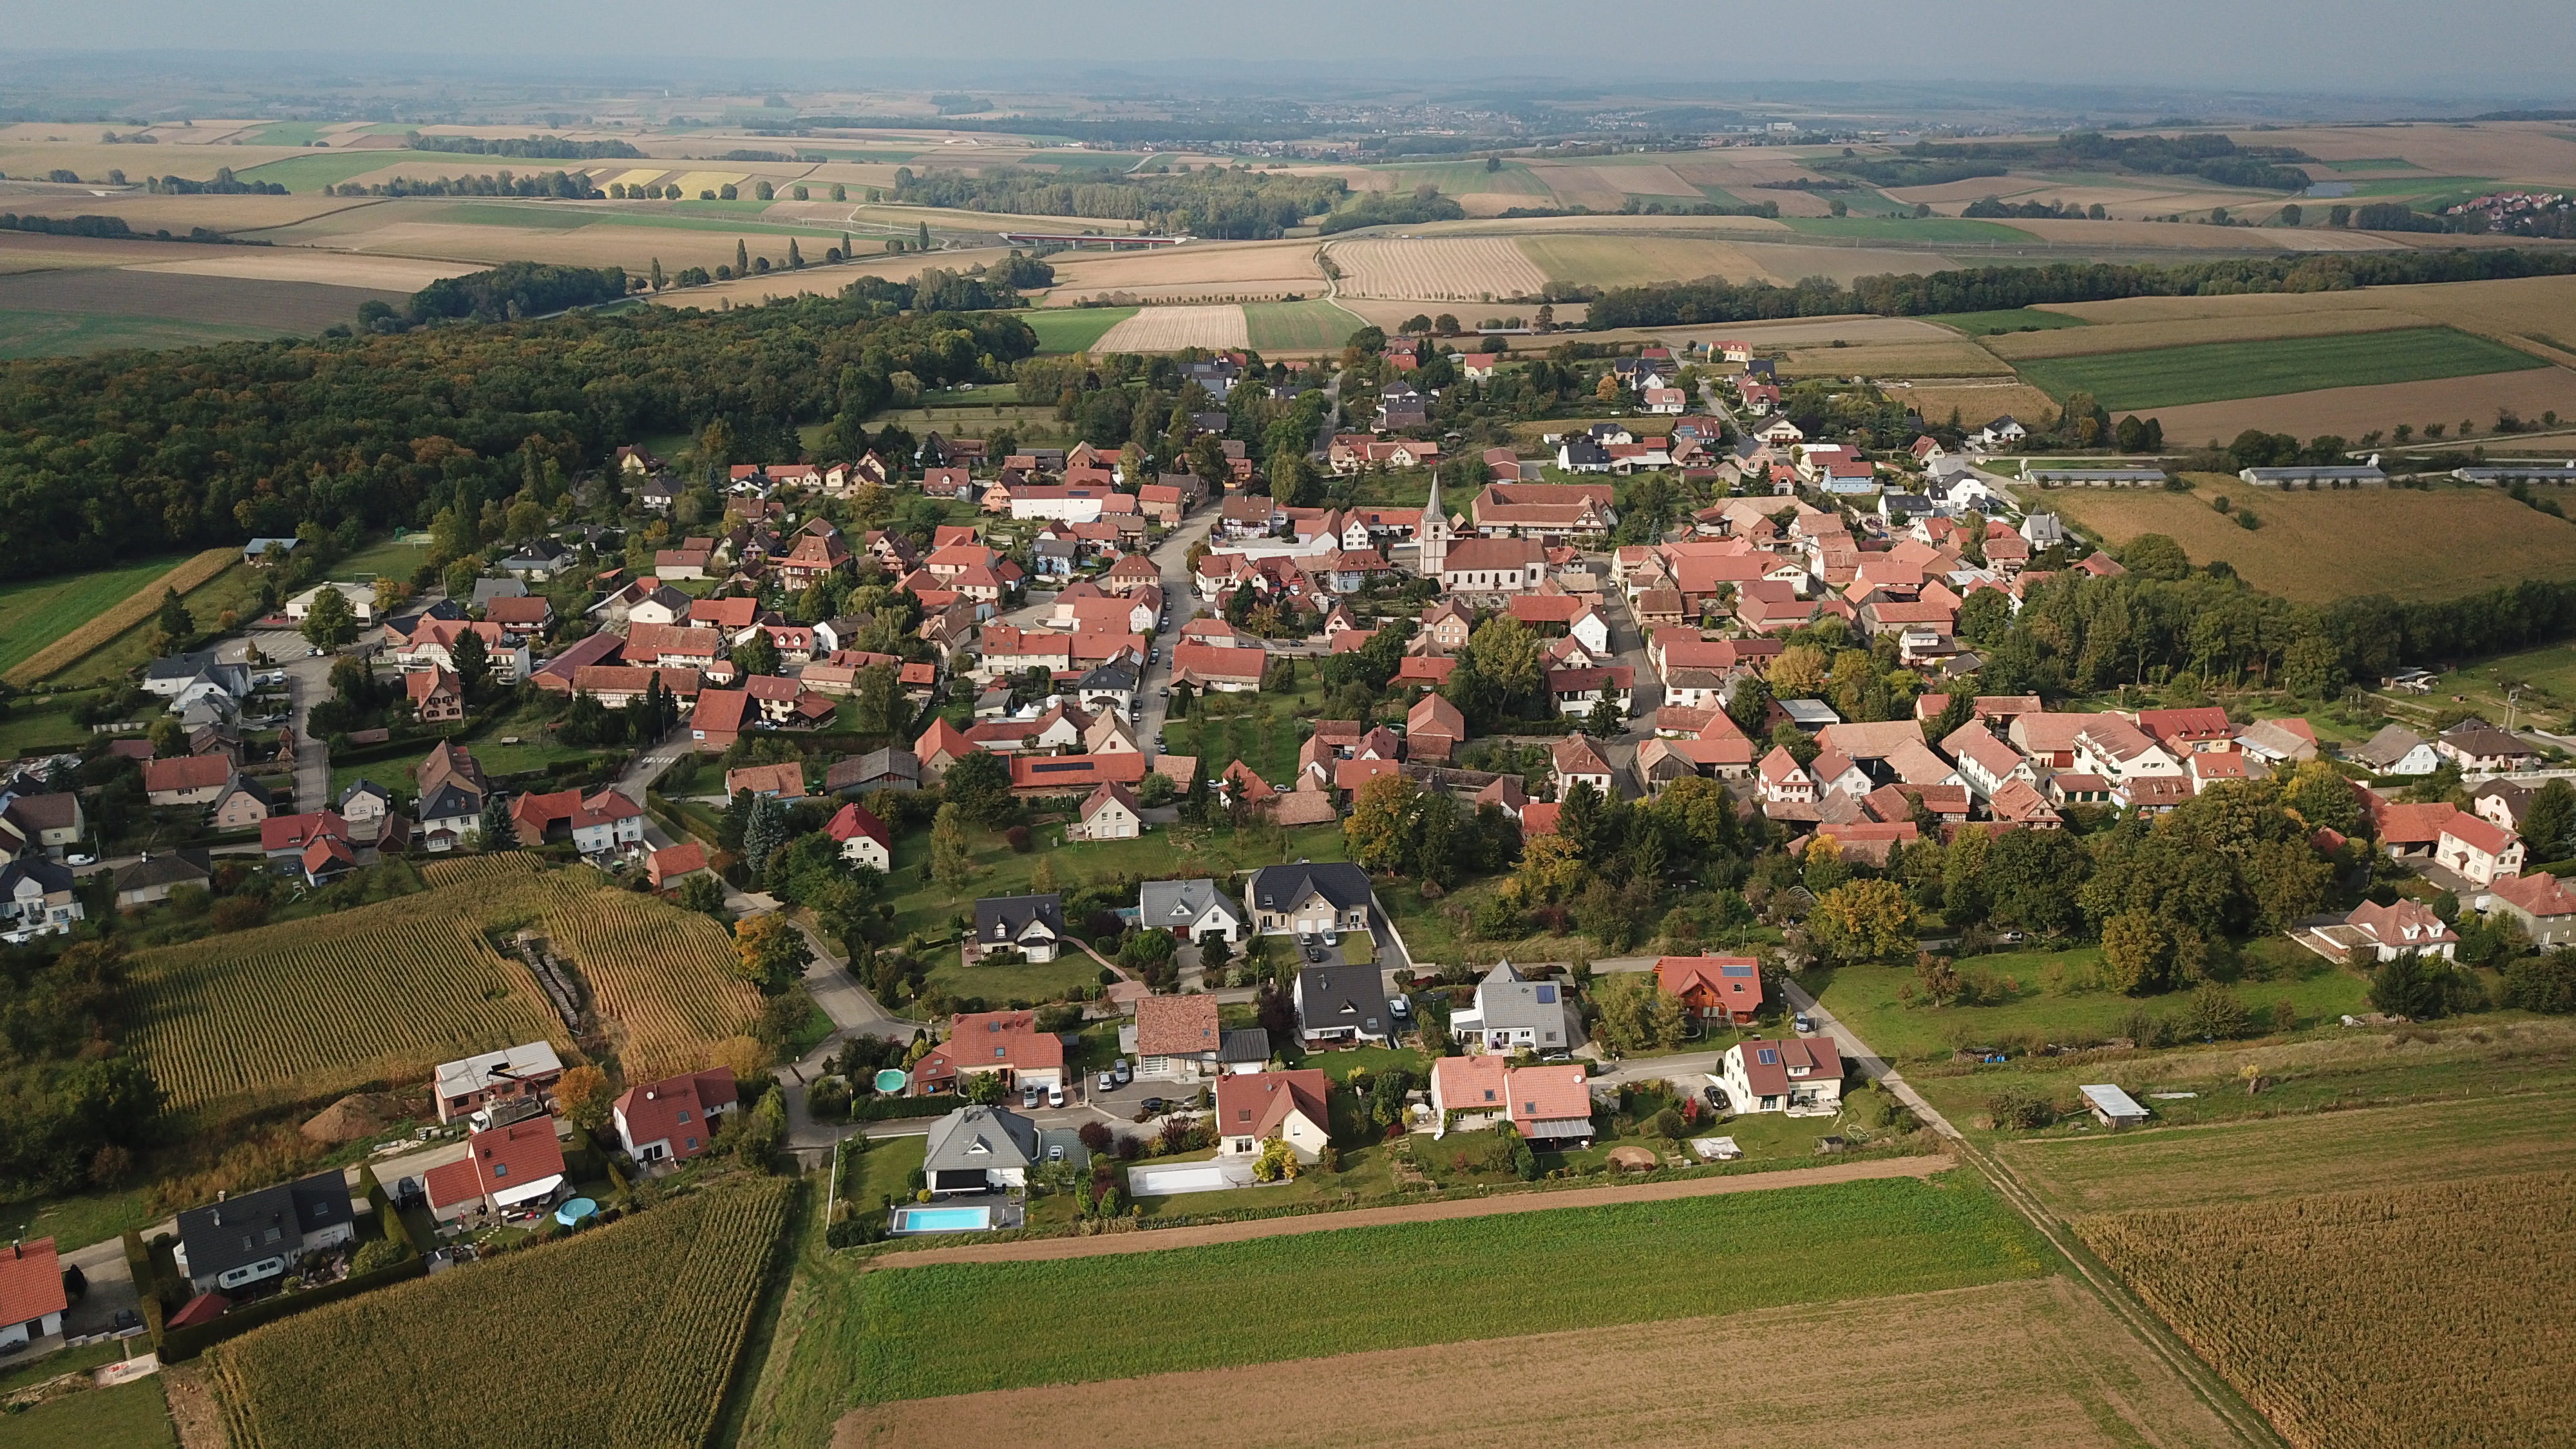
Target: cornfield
pixel 137 607
pixel 2417 1316
pixel 311 1008
pixel 623 1337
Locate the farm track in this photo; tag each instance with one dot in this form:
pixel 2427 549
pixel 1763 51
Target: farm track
pixel 1158 1239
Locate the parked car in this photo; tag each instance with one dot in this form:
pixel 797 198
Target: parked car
pixel 1123 1072
pixel 1030 1096
pixel 1108 1083
pixel 127 1318
pixel 1315 953
pixel 1715 1096
pixel 1153 1105
pixel 80 860
pixel 1055 1096
pixel 1806 1024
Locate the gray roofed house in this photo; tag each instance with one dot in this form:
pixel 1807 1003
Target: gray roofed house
pixel 1345 1004
pixel 2397 750
pixel 1108 680
pixel 1032 925
pixel 1190 907
pixel 252 1236
pixel 151 878
pixel 486 590
pixel 1513 1013
pixel 1246 1049
pixel 1308 898
pixel 885 769
pixel 979 1149
pixel 2041 530
pixel 2267 740
pixel 2478 745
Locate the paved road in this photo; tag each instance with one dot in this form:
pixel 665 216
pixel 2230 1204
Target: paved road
pixel 308 683
pixel 1179 603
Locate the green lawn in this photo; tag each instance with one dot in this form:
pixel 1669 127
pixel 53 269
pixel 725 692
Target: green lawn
pixel 1929 230
pixel 36 612
pixel 1264 735
pixel 1073 329
pixel 922 1332
pixel 2009 319
pixel 129 1416
pixel 1298 326
pixel 387 558
pixel 1864 998
pixel 330 168
pixel 76 334
pixel 2218 371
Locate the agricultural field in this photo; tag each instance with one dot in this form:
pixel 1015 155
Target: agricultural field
pixel 2350 412
pixel 128 1416
pixel 2315 547
pixel 1929 231
pixel 896 1334
pixel 1213 271
pixel 2214 372
pixel 2317 1308
pixel 314 170
pixel 1953 357
pixel 1611 261
pixel 2534 309
pixel 1169 329
pixel 2071 335
pixel 1437 269
pixel 2031 1362
pixel 1298 326
pixel 1074 329
pixel 683 1278
pixel 70 334
pixel 2010 319
pixel 311 1007
pixel 128 293
pixel 1975 400
pixel 36 612
pixel 62 621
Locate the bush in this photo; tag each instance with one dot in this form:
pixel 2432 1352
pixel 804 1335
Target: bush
pixel 1017 838
pixel 2016 1105
pixel 2542 983
pixel 1666 1124
pixel 2215 1014
pixel 1095 1136
pixel 380 1253
pixel 1130 1147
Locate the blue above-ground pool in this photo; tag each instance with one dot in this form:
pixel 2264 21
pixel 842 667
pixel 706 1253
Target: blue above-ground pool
pixel 942 1219
pixel 891 1080
pixel 576 1212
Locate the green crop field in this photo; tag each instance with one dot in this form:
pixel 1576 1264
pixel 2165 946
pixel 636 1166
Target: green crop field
pixel 1074 329
pixel 286 133
pixel 682 1278
pixel 1459 178
pixel 2417 186
pixel 2220 371
pixel 2009 319
pixel 2375 163
pixel 330 168
pixel 1928 231
pixel 1298 326
pixel 948 1329
pixel 77 334
pixel 36 612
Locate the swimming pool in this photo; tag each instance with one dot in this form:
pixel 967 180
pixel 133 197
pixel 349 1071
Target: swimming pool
pixel 942 1219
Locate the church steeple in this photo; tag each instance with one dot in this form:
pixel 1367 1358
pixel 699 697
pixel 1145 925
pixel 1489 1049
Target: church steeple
pixel 1432 533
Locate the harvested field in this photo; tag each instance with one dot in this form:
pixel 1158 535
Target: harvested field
pixel 126 292
pixel 814 280
pixel 2317 547
pixel 93 161
pixel 2352 411
pixel 1166 1239
pixel 2036 1363
pixel 1169 329
pixel 1920 232
pixel 1612 222
pixel 1074 329
pixel 1603 261
pixel 1793 261
pixel 1976 401
pixel 2318 1309
pixel 25 251
pixel 2220 371
pixel 1954 358
pixel 943 1330
pixel 1444 269
pixel 2537 309
pixel 52 623
pixel 2077 341
pixel 2389 1147
pixel 2523 150
pixel 1299 326
pixel 181 214
pixel 1223 269
pixel 331 269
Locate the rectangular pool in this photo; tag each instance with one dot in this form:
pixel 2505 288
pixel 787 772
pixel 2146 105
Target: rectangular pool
pixel 942 1219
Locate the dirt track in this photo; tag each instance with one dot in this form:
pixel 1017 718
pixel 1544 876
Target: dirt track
pixel 1041 1249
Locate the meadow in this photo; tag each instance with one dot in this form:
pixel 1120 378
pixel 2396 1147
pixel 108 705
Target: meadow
pixel 2215 372
pixel 314 171
pixel 1074 329
pixel 2318 1308
pixel 920 1332
pixel 2008 319
pixel 644 1323
pixel 128 1416
pixel 36 612
pixel 1316 326
pixel 71 334
pixel 127 605
pixel 2315 547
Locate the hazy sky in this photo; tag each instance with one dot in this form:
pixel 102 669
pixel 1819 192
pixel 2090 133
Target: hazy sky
pixel 2514 49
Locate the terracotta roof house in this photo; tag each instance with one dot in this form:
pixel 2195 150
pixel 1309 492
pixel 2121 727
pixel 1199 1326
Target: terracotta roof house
pixel 1801 1075
pixel 1434 729
pixel 863 838
pixel 2477 850
pixel 1109 812
pixel 2542 903
pixel 1468 1093
pixel 783 781
pixel 1174 1038
pixel 31 1293
pixel 671 865
pixel 1254 1107
pixel 674 1118
pixel 1550 1104
pixel 1713 988
pixel 1007 1042
pixel 517 1166
pixel 2383 933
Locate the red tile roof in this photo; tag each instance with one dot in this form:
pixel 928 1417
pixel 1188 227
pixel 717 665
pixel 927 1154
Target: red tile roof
pixel 675 861
pixel 294 832
pixel 1548 1094
pixel 497 1161
pixel 1075 772
pixel 31 1280
pixel 186 772
pixel 1734 981
pixel 1172 1026
pixel 853 820
pixel 1254 1104
pixel 652 1111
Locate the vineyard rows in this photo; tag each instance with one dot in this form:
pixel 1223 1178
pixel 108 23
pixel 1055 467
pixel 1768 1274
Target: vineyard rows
pixel 2390 1318
pixel 636 1328
pixel 665 974
pixel 456 870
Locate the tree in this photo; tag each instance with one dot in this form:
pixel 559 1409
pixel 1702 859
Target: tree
pixel 1798 672
pixel 1636 1014
pixel 2136 953
pixel 1863 920
pixel 1606 717
pixel 175 623
pixel 769 952
pixel 763 833
pixel 583 1095
pixel 330 622
pixel 1375 828
pixel 2549 825
pixel 979 785
pixel 703 893
pixel 473 661
pixel 952 864
pixel 1506 652
pixel 741 258
pixel 757 654
pixel 500 832
pixel 2542 983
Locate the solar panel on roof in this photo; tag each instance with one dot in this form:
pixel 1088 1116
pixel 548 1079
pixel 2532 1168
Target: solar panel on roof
pixel 1734 970
pixel 1768 1057
pixel 1547 994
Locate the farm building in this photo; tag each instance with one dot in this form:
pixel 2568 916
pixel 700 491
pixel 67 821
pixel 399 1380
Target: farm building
pixel 2112 1107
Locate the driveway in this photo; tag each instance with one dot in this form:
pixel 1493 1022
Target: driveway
pixel 308 683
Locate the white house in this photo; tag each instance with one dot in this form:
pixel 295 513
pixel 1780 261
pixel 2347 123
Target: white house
pixel 1255 1107
pixel 1189 909
pixel 1802 1076
pixel 31 1293
pixel 361 597
pixel 674 1119
pixel 864 839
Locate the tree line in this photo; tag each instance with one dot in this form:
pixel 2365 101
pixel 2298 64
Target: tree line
pixel 534 148
pixel 1231 203
pixel 143 452
pixel 1979 289
pixel 2213 158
